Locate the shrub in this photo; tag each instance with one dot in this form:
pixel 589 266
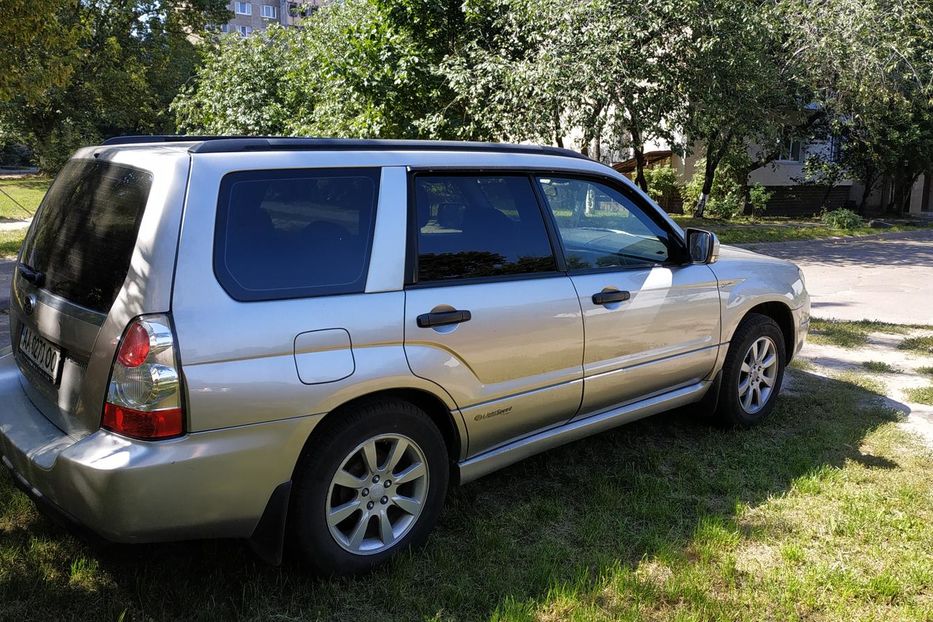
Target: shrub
pixel 758 198
pixel 662 183
pixel 842 219
pixel 725 197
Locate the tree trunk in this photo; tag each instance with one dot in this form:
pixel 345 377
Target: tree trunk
pixel 640 179
pixel 829 189
pixel 868 186
pixel 709 175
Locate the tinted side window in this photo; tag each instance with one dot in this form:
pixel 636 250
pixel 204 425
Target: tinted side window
pixel 287 234
pixel 479 226
pixel 85 231
pixel 601 227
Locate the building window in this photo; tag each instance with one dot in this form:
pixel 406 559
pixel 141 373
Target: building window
pixel 268 11
pixel 243 8
pixel 245 30
pixel 792 150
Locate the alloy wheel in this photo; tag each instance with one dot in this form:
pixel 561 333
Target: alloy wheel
pixel 377 494
pixel 758 375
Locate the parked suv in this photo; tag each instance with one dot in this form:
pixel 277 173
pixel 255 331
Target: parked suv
pixel 303 341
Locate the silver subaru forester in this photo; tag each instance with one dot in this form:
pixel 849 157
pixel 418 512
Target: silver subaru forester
pixel 303 341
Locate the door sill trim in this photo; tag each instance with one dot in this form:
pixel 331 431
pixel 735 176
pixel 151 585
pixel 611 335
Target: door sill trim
pixel 495 459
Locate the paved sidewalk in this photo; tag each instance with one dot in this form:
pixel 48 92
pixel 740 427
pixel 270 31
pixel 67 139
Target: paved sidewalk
pixel 887 277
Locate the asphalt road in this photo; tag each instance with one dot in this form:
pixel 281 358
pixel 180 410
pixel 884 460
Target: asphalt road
pixel 887 277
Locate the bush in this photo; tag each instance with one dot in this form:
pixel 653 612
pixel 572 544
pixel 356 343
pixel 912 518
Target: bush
pixel 842 219
pixel 725 197
pixel 758 198
pixel 724 207
pixel 662 183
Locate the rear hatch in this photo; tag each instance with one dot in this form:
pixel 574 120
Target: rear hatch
pixel 72 267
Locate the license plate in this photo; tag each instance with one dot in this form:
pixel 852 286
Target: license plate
pixel 43 354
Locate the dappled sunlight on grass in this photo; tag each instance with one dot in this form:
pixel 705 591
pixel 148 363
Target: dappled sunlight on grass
pixel 824 512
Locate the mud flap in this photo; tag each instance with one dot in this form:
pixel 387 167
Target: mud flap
pixel 268 538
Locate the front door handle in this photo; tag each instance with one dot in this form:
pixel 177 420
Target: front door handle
pixel 443 318
pixel 603 298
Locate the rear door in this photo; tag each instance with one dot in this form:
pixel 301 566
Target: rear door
pixel 652 319
pixel 73 265
pixel 488 315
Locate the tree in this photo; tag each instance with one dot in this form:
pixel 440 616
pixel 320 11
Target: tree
pixel 606 69
pixel 38 47
pixel 130 60
pixel 871 64
pixel 742 88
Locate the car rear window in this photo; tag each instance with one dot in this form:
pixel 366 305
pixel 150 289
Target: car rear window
pixel 295 233
pixel 85 231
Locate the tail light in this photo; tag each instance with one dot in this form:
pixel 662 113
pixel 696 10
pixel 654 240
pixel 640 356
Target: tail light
pixel 144 399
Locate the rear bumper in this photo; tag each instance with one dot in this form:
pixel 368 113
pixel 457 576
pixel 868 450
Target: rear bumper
pixel 207 484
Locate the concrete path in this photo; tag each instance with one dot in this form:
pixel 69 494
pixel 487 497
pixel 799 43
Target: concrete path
pixel 904 374
pixel 887 277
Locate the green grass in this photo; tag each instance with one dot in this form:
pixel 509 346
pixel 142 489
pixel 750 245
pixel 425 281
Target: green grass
pixel 10 241
pixel 847 334
pixel 27 191
pixel 925 371
pixel 822 513
pixel 746 231
pixel 921 345
pixel 880 367
pixel 921 395
pixel 861 381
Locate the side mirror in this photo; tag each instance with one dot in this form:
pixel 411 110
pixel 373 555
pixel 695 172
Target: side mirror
pixel 702 245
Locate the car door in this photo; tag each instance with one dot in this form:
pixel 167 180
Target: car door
pixel 651 318
pixel 488 315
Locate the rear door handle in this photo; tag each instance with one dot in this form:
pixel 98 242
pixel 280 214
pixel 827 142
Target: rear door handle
pixel 603 298
pixel 443 318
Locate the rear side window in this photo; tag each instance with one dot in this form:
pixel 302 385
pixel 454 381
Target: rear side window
pixel 85 231
pixel 295 233
pixel 472 226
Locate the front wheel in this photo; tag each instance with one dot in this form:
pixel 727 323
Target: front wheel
pixel 371 484
pixel 752 373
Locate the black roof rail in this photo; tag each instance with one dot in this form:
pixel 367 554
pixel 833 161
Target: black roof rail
pixel 161 138
pixel 232 144
pixel 353 144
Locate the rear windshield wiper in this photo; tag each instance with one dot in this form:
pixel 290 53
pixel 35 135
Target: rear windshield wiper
pixel 32 275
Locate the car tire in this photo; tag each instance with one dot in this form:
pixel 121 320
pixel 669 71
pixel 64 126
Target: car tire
pixel 751 378
pixel 348 512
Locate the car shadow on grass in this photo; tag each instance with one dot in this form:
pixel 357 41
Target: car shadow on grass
pixel 504 543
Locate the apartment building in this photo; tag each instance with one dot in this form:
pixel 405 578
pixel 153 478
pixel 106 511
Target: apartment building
pixel 249 17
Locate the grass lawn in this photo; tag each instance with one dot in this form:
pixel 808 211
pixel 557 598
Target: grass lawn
pixel 822 513
pixel 10 241
pixel 847 334
pixel 27 191
pixel 744 230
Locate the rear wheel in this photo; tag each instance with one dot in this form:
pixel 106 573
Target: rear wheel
pixel 752 373
pixel 372 484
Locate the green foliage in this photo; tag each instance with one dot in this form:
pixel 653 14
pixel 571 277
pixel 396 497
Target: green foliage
pixel 921 345
pixel 725 196
pixel 37 47
pixel 880 367
pixel 870 64
pixel 127 62
pixel 842 219
pixel 758 197
pixel 663 183
pixel 358 68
